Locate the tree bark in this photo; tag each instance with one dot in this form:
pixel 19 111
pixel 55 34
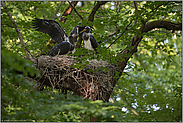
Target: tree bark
pixel 68 11
pixel 95 8
pixel 162 24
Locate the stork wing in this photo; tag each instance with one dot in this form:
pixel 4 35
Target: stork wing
pixel 51 28
pixel 94 43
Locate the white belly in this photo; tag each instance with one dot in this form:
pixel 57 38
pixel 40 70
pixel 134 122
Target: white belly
pixel 87 44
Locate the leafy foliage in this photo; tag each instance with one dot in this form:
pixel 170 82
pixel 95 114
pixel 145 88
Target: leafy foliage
pixel 150 91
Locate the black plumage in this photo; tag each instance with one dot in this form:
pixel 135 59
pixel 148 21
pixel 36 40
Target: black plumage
pixel 66 44
pixel 63 48
pixel 75 32
pixel 51 28
pixel 90 42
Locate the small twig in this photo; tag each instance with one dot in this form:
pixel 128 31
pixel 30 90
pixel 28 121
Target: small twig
pixel 74 116
pixel 77 81
pixel 89 13
pixel 86 81
pixel 56 11
pixel 117 30
pixel 119 36
pixel 82 118
pixel 75 10
pixel 22 14
pixel 51 82
pixel 154 10
pixel 18 32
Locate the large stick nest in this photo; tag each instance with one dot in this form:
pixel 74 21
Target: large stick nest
pixel 57 73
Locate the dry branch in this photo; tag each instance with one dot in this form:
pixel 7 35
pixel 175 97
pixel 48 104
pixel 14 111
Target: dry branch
pixel 17 30
pixel 95 8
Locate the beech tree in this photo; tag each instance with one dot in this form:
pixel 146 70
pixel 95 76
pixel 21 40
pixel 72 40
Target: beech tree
pixel 134 76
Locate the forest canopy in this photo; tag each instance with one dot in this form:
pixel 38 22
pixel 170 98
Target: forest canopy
pixel 141 39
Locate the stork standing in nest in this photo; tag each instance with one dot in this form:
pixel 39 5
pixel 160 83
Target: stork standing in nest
pixel 90 42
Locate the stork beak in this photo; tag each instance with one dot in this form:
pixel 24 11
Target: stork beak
pixel 82 30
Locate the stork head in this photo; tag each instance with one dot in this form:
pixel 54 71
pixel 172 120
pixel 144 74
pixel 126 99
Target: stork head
pixel 86 29
pixel 85 36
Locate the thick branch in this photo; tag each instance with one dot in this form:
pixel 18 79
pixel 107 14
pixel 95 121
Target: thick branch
pixel 95 8
pixel 67 11
pixel 162 24
pixel 136 39
pixel 17 30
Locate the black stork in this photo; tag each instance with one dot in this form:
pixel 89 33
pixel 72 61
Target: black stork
pixel 90 42
pixel 66 44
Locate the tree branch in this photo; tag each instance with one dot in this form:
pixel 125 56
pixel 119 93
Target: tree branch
pixel 136 12
pixel 132 48
pixel 17 30
pixel 155 9
pixel 56 11
pixel 162 24
pixel 89 13
pixel 136 39
pixel 67 11
pixel 76 11
pixel 119 36
pixel 95 8
pixel 117 30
